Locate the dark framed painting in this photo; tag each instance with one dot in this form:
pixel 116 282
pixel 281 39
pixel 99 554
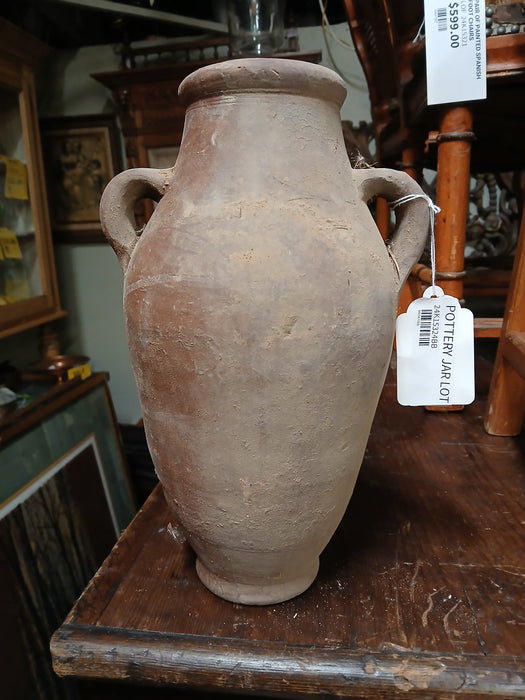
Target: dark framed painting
pixel 81 155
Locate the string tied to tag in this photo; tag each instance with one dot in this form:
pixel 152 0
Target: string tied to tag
pixel 420 33
pixel 434 209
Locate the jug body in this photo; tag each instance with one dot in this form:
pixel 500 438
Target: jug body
pixel 260 303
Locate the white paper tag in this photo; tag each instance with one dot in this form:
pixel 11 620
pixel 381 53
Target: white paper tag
pixel 435 352
pixel 455 51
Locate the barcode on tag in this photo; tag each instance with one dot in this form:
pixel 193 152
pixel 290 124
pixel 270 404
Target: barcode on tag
pixel 425 325
pixel 441 19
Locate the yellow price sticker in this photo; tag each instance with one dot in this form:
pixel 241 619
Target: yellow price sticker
pixel 16 290
pixel 9 244
pixel 82 371
pixel 15 178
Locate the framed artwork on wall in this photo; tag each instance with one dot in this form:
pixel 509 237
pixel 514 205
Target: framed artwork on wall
pixel 81 155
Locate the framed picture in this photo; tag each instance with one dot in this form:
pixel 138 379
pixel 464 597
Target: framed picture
pixel 81 155
pixel 65 497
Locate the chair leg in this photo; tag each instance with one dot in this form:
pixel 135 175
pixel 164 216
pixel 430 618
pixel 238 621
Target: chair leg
pixel 453 179
pixel 506 401
pixel 382 217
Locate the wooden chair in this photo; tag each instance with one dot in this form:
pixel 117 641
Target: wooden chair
pixel 455 139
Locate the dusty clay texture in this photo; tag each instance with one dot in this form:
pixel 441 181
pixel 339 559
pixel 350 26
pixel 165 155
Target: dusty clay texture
pixel 260 303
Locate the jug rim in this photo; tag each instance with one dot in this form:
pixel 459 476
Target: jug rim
pixel 263 75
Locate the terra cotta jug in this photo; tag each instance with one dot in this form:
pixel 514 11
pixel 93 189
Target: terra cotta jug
pixel 260 303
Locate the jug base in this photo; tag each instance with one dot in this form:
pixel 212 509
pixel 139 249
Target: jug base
pixel 252 594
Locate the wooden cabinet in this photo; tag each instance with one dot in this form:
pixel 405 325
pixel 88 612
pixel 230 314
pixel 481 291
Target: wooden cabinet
pixel 150 113
pixel 149 109
pixel 28 286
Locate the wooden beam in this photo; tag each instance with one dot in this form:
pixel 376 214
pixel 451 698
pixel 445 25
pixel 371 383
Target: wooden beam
pixel 145 13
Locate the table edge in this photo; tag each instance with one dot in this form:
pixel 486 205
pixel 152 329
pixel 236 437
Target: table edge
pixel 165 659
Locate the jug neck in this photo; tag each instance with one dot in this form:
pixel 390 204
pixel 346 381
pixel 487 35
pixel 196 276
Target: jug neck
pixel 263 75
pixel 260 142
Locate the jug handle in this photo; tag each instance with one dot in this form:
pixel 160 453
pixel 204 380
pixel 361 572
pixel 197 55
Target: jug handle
pixel 117 206
pixel 412 219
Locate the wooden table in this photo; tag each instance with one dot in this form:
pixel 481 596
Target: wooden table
pixel 421 592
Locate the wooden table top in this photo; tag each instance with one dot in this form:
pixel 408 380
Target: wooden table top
pixel 421 590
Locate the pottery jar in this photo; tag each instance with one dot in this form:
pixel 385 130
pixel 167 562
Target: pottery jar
pixel 260 302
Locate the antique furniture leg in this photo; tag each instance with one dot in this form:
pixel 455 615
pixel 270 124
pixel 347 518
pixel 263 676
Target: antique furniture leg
pixel 506 402
pixel 453 176
pixel 382 216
